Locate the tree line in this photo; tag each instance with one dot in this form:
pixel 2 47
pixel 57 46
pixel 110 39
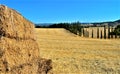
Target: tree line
pixel 76 28
pixel 116 31
pixel 72 27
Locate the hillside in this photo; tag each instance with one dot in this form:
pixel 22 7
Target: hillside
pixel 110 23
pixel 118 21
pixel 72 54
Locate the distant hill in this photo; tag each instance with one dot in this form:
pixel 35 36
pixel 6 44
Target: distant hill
pixel 44 24
pixel 118 21
pixel 110 23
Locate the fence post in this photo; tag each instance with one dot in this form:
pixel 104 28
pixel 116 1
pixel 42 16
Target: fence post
pixel 104 32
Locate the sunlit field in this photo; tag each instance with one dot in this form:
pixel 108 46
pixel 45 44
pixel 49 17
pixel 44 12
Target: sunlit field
pixel 72 54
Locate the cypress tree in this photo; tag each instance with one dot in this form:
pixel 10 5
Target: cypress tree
pixel 111 32
pixel 104 32
pixel 101 34
pixel 83 32
pixel 92 33
pixel 115 35
pixel 97 32
pixel 108 32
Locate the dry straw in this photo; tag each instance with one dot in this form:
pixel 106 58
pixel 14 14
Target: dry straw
pixel 18 46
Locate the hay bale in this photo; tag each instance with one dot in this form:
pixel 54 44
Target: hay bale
pixel 19 52
pixel 13 25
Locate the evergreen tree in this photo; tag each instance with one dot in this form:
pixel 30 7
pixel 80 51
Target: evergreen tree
pixel 98 32
pixel 111 33
pixel 104 32
pixel 92 33
pixel 108 32
pixel 101 35
pixel 117 30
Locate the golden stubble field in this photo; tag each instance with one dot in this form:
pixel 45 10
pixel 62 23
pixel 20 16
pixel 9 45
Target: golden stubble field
pixel 72 54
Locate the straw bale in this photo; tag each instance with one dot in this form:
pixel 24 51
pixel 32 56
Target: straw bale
pixel 19 52
pixel 13 25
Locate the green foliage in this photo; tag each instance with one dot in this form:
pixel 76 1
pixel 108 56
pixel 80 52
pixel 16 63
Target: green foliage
pixel 92 33
pixel 101 34
pixel 97 32
pixel 108 32
pixel 72 27
pixel 117 30
pixel 104 32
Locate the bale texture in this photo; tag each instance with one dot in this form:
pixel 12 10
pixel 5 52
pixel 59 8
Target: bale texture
pixel 19 52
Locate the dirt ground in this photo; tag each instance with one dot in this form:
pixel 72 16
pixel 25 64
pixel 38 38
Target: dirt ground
pixel 72 54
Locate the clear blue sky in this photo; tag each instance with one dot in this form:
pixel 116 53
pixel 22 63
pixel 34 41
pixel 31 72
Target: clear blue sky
pixel 50 11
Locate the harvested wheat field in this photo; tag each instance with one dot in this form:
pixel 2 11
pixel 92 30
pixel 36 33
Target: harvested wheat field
pixel 72 54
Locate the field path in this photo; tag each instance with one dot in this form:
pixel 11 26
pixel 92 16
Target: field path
pixel 72 54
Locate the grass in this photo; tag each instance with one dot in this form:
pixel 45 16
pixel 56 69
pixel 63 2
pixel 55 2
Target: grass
pixel 72 54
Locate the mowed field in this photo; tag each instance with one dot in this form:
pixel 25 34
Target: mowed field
pixel 72 54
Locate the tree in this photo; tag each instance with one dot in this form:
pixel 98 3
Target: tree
pixel 117 30
pixel 92 33
pixel 108 32
pixel 104 32
pixel 83 32
pixel 98 32
pixel 111 33
pixel 72 27
pixel 101 35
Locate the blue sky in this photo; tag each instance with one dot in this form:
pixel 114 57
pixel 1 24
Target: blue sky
pixel 54 11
